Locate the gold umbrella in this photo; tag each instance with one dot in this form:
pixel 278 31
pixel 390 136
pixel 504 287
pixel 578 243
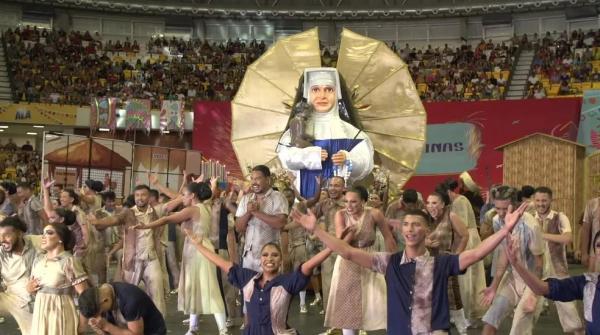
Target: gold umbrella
pixel 390 109
pixel 395 119
pixel 259 114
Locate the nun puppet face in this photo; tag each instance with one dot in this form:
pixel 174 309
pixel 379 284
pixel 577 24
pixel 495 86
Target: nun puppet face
pixel 322 88
pixel 322 97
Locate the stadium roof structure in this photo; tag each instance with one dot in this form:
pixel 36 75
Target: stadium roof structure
pixel 318 9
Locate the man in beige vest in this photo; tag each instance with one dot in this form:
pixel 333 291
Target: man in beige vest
pixel 142 247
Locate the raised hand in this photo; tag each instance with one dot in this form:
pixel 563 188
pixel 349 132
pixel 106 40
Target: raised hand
pixel 512 217
pixel 185 175
pixel 213 182
pixel 152 178
pixel 308 221
pixel 48 182
pixel 199 179
pixel 253 206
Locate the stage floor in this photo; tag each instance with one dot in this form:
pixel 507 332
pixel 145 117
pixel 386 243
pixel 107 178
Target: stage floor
pixel 311 323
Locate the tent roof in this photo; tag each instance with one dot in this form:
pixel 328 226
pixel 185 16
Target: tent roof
pixel 78 154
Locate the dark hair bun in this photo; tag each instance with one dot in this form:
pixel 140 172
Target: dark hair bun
pixel 361 191
pixel 201 190
pixel 94 185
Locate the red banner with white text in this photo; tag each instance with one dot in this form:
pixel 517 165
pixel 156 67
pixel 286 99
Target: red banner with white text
pixel 461 135
pixel 494 123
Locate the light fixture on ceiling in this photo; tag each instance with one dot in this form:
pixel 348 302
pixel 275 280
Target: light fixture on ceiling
pixel 104 129
pixel 166 132
pixel 38 126
pixel 3 127
pixel 31 133
pixel 1 130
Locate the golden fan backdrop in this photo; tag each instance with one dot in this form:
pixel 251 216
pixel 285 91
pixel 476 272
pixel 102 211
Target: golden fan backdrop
pixel 388 103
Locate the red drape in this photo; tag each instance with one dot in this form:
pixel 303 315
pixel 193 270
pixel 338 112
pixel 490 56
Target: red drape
pixel 499 121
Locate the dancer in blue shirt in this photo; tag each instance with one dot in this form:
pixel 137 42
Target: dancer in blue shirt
pixel 417 283
pixel 267 294
pixel 584 287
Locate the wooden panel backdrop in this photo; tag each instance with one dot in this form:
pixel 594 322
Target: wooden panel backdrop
pixel 541 160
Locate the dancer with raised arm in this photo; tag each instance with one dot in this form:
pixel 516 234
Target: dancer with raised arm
pixel 198 291
pixel 363 309
pixel 584 287
pixel 267 293
pixel 417 282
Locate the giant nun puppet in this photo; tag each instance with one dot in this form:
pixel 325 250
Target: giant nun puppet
pixel 366 112
pixel 339 147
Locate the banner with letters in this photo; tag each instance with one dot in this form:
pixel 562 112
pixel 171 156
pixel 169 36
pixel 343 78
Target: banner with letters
pixel 463 136
pixel 41 114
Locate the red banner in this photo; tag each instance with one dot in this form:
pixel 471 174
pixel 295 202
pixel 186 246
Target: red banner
pixel 212 134
pixel 496 123
pixel 500 122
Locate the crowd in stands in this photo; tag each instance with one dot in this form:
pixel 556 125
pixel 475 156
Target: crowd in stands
pixel 464 73
pixel 564 64
pixel 19 164
pixel 53 66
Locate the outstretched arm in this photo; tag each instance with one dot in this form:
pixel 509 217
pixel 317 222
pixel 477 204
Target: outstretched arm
pixel 223 264
pixel 177 217
pixel 48 208
pixel 153 180
pixel 309 222
pixel 113 220
pixel 536 285
pixel 488 245
pixel 311 202
pixel 313 262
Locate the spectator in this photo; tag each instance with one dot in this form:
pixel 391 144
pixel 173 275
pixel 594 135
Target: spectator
pixel 10 146
pixel 27 146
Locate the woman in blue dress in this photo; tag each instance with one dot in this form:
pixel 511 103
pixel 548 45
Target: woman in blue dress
pixel 267 294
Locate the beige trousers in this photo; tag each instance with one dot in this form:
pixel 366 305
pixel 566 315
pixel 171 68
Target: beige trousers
pixel 151 273
pixel 9 303
pixel 514 294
